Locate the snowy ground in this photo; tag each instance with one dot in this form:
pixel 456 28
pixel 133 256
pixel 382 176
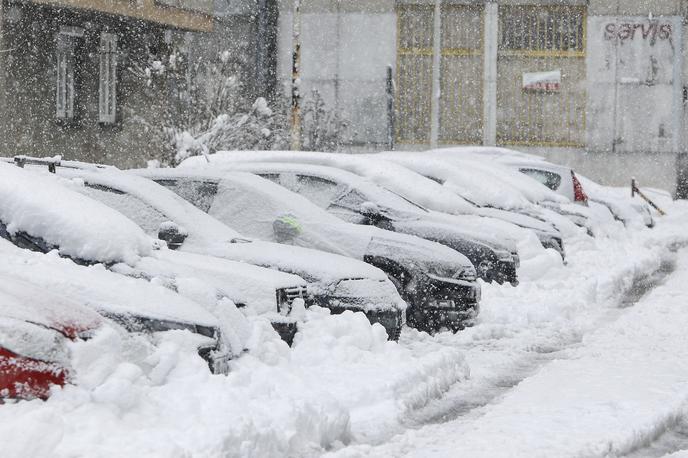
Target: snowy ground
pixel 584 359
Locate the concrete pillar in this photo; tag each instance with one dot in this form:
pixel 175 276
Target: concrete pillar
pixel 490 73
pixel 436 63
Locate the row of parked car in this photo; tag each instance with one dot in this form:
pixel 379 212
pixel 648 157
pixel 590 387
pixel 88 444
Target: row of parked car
pixel 204 247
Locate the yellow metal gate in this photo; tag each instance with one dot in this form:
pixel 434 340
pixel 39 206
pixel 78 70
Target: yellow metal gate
pixel 461 73
pixel 414 73
pixel 534 41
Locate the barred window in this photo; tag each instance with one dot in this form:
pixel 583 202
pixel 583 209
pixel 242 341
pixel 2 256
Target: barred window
pixel 542 28
pixel 107 88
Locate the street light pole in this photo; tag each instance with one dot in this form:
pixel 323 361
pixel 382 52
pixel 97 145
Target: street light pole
pixel 296 79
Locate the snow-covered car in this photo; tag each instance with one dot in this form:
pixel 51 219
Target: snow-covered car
pixel 618 201
pixel 42 214
pixel 35 326
pixel 438 283
pixel 360 201
pixel 491 164
pixel 447 206
pixel 134 304
pixel 336 282
pixel 582 190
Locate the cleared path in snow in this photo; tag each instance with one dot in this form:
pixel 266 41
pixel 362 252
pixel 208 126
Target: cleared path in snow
pixel 623 391
pixel 524 332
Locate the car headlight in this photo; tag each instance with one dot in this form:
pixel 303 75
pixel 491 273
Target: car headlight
pixel 503 255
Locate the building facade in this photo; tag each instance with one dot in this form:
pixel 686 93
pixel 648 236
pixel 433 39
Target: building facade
pixel 595 84
pixel 68 83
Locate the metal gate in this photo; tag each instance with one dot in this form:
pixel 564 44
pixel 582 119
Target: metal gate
pixel 414 72
pixel 460 73
pixel 533 41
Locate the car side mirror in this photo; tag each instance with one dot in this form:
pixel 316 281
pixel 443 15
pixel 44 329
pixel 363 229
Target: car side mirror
pixel 286 228
pixel 172 234
pixel 370 209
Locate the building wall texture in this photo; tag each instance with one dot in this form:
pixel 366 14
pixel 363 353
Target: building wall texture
pixel 619 110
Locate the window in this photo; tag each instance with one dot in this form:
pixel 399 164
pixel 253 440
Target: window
pixel 319 191
pixel 107 88
pixel 199 193
pixel 145 216
pixel 65 76
pixel 553 29
pixel 550 179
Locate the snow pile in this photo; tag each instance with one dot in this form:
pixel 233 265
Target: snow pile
pixel 379 381
pixel 78 226
pixel 135 398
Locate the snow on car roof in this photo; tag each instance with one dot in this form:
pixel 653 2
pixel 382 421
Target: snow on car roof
pixel 380 195
pixel 500 173
pixel 468 181
pixel 161 198
pixel 395 177
pixel 98 288
pixel 485 151
pixel 78 226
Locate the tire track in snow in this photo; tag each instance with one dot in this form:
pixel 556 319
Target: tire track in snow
pixel 668 437
pixel 469 399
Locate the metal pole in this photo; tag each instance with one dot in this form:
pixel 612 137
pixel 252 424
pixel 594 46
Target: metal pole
pixel 436 63
pixel 296 79
pixel 390 108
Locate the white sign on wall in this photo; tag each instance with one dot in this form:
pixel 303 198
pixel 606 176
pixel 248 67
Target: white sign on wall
pixel 542 81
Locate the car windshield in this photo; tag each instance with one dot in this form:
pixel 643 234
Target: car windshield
pixel 390 204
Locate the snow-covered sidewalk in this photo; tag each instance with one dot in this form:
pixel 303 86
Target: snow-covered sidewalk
pixel 619 386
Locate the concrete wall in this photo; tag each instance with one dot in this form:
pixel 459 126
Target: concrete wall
pixel 346 49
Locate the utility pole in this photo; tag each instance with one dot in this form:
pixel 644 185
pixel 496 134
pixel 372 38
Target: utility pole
pixel 296 79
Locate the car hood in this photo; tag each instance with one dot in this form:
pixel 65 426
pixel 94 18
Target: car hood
pixel 241 282
pixel 518 219
pixel 99 289
pixel 312 265
pixel 24 301
pixel 419 254
pixel 434 230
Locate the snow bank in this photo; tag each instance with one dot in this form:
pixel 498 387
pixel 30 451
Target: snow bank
pixel 80 227
pixel 131 398
pixel 379 381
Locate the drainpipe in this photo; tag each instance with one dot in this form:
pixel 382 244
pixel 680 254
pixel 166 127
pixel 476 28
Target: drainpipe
pixel 490 73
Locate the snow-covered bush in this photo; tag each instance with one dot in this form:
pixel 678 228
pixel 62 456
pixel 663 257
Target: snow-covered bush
pixel 202 107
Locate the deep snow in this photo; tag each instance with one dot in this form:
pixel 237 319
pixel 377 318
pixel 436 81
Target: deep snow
pixel 562 365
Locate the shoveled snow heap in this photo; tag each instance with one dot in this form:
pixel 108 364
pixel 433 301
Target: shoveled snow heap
pixel 42 208
pixel 134 399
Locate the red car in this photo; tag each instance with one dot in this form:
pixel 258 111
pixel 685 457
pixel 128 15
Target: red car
pixel 35 326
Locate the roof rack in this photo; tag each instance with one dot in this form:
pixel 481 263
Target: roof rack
pixel 51 162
